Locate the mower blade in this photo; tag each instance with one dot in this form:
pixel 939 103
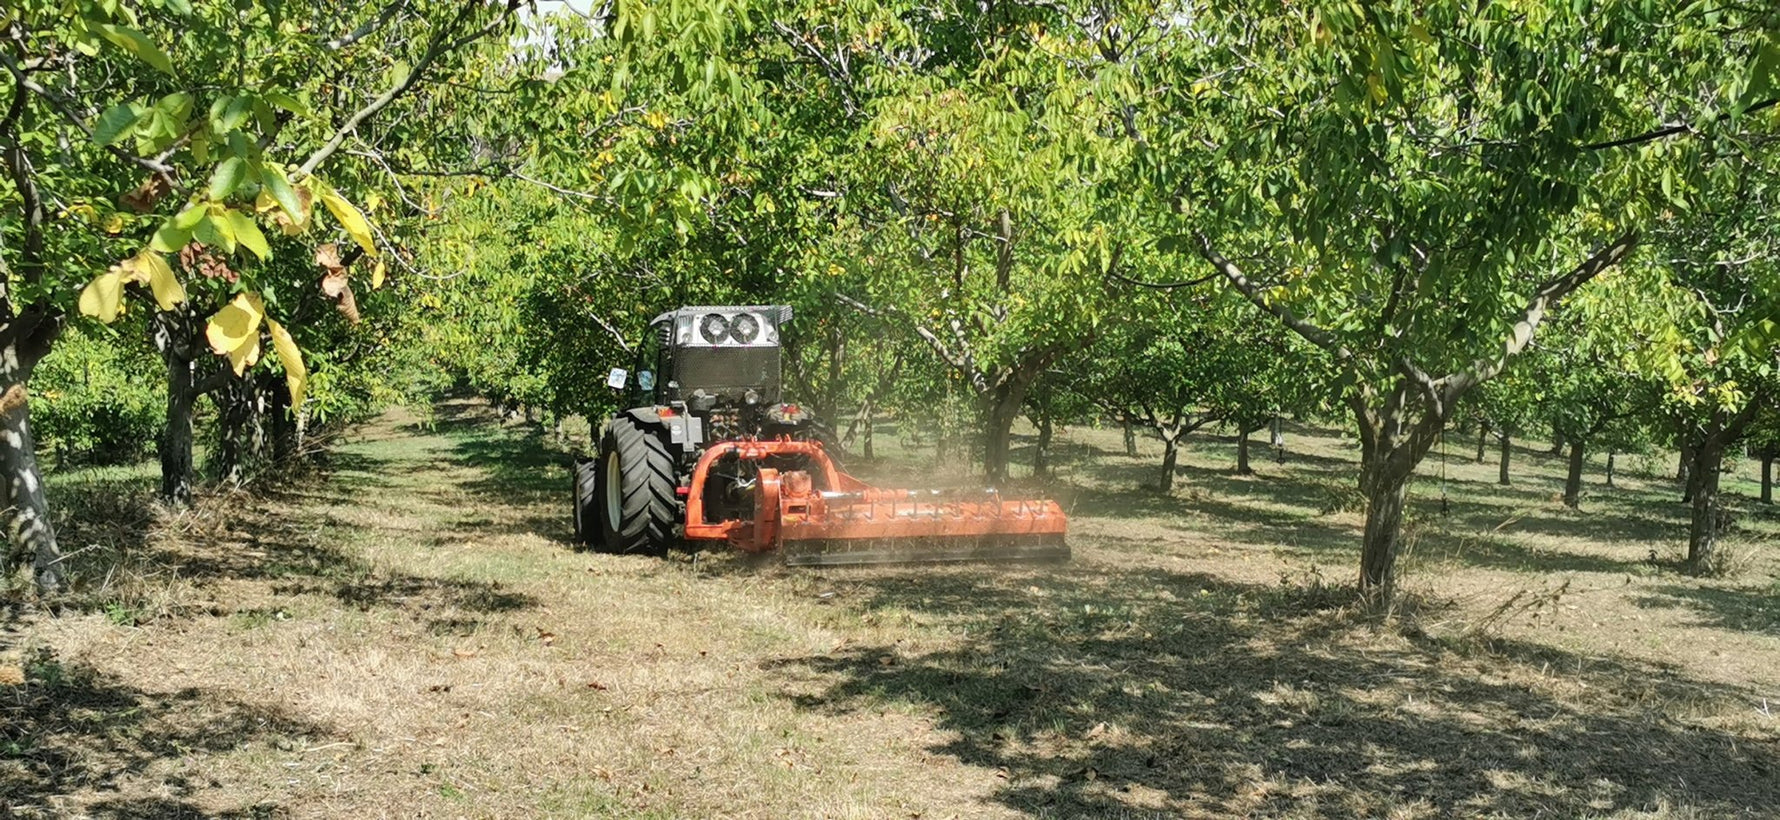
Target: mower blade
pixel 931 551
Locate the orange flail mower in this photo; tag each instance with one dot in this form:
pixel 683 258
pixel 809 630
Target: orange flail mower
pixel 715 457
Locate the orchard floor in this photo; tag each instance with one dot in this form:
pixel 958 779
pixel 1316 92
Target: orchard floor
pixel 411 635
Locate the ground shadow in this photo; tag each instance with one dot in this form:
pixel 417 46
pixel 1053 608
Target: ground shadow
pixel 1743 610
pixel 72 728
pixel 245 537
pixel 1170 692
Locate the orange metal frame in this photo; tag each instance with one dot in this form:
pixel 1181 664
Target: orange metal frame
pixel 788 507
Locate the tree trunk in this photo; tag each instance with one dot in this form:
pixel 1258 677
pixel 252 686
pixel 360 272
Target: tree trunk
pixel 1703 476
pixel 1170 451
pixel 1041 455
pixel 1573 482
pixel 1001 406
pixel 1507 448
pixel 176 437
pixel 1557 443
pixel 1242 465
pixel 1386 493
pixel 284 426
pixel 871 425
pixel 1610 457
pixel 27 518
pixel 1702 538
pixel 1483 435
pixel 1767 476
pixel 1683 469
pixel 1130 437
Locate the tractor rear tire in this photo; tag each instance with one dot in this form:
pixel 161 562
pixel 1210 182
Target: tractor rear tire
pixel 635 479
pixel 584 477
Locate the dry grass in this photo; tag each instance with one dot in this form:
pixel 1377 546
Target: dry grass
pixel 412 637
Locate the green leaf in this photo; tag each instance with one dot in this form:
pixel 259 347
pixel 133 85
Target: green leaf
pixel 170 238
pixel 114 122
pixel 216 231
pixel 248 234
pixel 227 177
pixel 282 193
pixel 287 102
pixel 138 44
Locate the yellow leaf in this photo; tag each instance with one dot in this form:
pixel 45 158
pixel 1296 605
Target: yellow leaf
pixel 235 330
pixel 377 274
pixel 373 201
pixel 295 373
pixel 153 269
pixel 245 356
pixel 114 223
pixel 351 219
pixel 100 298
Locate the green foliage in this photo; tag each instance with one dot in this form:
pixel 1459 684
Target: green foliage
pixel 98 400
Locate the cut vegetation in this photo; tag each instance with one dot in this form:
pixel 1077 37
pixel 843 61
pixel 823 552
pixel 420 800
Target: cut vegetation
pixel 413 635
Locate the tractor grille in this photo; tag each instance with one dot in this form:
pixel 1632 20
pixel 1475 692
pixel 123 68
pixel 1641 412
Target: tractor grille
pixel 729 371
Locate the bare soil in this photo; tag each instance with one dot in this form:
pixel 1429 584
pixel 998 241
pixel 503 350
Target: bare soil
pixel 410 634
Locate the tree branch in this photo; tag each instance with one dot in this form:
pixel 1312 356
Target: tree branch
pixel 1670 130
pixel 932 340
pixel 437 46
pixel 1482 370
pixel 1311 333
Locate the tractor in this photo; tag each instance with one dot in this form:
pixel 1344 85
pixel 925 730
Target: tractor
pixel 710 453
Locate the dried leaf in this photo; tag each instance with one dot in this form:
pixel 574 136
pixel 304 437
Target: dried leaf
pixel 145 196
pixel 328 257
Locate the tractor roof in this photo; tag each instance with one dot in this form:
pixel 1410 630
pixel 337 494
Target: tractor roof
pixel 780 314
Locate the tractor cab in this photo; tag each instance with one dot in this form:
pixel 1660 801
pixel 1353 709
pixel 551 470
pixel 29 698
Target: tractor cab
pixel 711 356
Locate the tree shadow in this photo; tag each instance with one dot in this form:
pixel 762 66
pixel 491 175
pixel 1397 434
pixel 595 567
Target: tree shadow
pixel 73 729
pixel 1744 610
pixel 1158 691
pixel 257 537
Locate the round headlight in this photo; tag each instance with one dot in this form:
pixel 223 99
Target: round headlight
pixel 745 328
pixel 714 327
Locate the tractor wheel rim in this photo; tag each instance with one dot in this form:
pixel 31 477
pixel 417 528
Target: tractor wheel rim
pixel 614 492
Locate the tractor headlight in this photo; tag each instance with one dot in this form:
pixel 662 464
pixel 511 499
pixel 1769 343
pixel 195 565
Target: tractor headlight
pixel 714 327
pixel 683 331
pixel 745 328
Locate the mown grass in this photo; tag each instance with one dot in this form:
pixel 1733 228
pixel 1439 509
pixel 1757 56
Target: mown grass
pixel 413 636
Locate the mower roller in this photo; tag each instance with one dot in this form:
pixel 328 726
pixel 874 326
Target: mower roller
pixel 708 454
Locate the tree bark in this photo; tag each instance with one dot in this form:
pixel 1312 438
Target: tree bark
pixel 1170 451
pixel 1702 537
pixel 176 437
pixel 1386 491
pixel 1703 476
pixel 175 336
pixel 1610 458
pixel 1130 437
pixel 1242 465
pixel 1041 455
pixel 1507 448
pixel 1573 481
pixel 1767 475
pixel 1682 469
pixel 284 426
pixel 27 518
pixel 1001 407
pixel 871 425
pixel 1483 435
